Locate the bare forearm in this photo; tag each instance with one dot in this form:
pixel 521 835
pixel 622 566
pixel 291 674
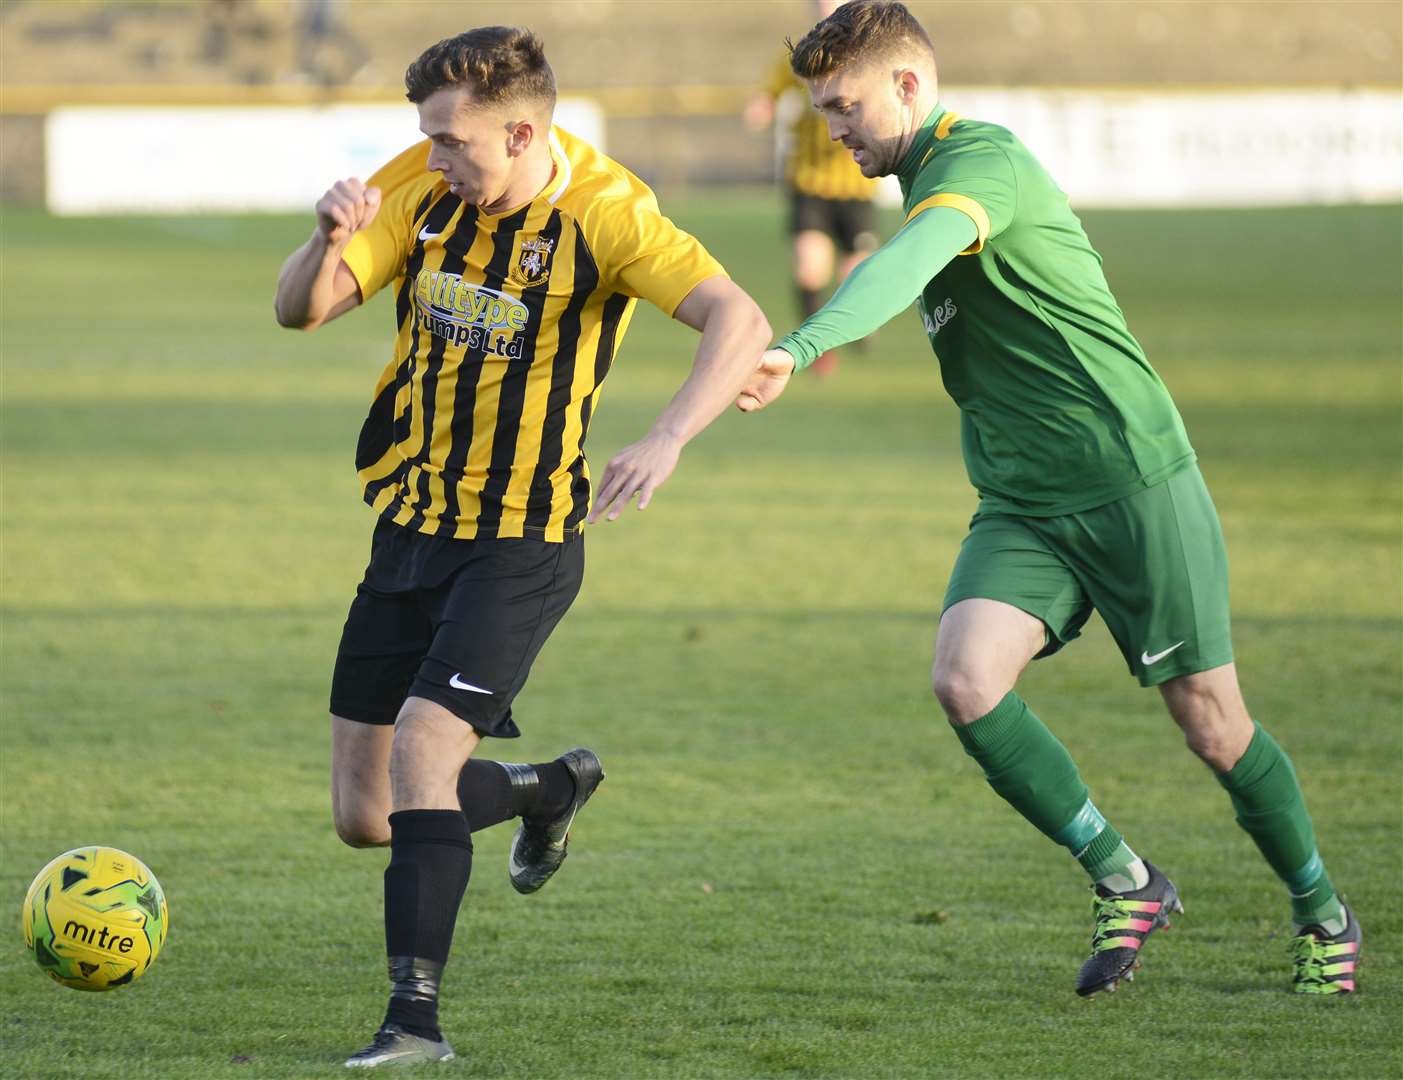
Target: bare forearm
pixel 733 337
pixel 306 283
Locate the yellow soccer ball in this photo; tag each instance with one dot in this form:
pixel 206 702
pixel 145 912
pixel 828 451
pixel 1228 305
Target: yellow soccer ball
pixel 95 918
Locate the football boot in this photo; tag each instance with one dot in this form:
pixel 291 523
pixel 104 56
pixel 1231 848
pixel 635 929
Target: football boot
pixel 1325 962
pixel 538 848
pixel 1123 922
pixel 393 1045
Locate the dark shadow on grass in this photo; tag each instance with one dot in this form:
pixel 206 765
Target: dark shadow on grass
pixel 118 428
pixel 1315 624
pixel 90 614
pixel 114 429
pixel 678 617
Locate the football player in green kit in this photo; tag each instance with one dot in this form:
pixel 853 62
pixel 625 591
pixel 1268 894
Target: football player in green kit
pixel 1089 494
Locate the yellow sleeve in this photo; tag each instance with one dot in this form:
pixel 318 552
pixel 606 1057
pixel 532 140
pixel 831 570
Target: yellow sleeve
pixel 643 254
pixel 376 255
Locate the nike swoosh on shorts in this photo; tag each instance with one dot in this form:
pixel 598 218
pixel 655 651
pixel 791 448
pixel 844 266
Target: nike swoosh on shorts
pixel 1147 659
pixel 459 684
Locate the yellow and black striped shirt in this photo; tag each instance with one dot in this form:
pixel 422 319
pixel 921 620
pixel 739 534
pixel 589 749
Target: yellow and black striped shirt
pixel 813 163
pixel 506 325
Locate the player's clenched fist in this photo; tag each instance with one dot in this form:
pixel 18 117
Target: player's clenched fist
pixel 347 207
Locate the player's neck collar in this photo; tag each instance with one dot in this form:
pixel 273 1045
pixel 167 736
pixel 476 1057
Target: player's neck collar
pixel 925 138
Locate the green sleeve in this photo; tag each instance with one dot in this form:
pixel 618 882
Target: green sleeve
pixel 884 284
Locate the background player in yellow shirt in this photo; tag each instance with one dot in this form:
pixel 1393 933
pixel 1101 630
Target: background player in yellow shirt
pixel 516 253
pixel 830 201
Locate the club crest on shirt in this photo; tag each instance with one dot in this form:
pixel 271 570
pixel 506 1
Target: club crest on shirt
pixel 533 266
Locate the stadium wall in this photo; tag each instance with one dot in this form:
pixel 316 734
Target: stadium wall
pixel 1121 147
pixel 673 78
pixel 191 159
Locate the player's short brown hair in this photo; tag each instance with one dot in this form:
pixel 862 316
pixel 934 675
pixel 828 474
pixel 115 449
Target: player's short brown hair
pixel 858 32
pixel 497 64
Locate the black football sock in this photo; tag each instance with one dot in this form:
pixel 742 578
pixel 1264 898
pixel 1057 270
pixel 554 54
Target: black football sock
pixel 487 792
pixel 810 300
pixel 555 788
pixel 431 856
pixel 491 792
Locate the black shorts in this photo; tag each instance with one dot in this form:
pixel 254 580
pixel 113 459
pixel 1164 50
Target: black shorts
pixel 458 622
pixel 852 223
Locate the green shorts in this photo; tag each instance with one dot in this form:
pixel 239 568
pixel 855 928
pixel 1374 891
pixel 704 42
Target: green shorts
pixel 1153 564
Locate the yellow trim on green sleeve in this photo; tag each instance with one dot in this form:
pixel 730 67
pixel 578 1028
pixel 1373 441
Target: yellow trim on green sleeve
pixel 965 205
pixel 947 121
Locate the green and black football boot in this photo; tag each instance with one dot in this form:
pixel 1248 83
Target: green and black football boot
pixel 1325 963
pixel 1123 922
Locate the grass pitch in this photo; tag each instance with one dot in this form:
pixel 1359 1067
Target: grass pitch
pixel 792 869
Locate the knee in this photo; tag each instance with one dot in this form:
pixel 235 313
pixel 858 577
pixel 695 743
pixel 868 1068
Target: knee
pixel 422 754
pixel 962 693
pixel 1216 746
pixel 430 747
pixel 813 260
pixel 361 830
pixel 359 821
pixel 807 275
pixel 1216 737
pixel 1216 727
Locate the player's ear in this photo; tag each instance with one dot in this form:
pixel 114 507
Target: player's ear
pixel 908 86
pixel 519 137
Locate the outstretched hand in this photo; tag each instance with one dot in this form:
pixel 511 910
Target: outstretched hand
pixel 767 382
pixel 639 470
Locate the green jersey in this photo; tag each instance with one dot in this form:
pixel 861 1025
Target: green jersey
pixel 1060 410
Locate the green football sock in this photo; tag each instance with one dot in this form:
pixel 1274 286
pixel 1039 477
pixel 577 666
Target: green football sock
pixel 1027 765
pixel 1111 863
pixel 1270 808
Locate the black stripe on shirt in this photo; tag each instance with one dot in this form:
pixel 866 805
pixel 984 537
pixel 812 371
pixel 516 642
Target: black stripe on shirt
pixel 614 309
pixel 455 251
pixel 470 371
pixel 586 280
pixel 381 430
pixel 438 218
pixel 511 398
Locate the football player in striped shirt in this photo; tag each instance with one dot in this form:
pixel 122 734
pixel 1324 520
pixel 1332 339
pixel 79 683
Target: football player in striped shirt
pixel 515 253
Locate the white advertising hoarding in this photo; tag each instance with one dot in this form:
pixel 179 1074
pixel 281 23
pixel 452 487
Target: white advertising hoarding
pixel 1111 148
pixel 184 159
pixel 1205 148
